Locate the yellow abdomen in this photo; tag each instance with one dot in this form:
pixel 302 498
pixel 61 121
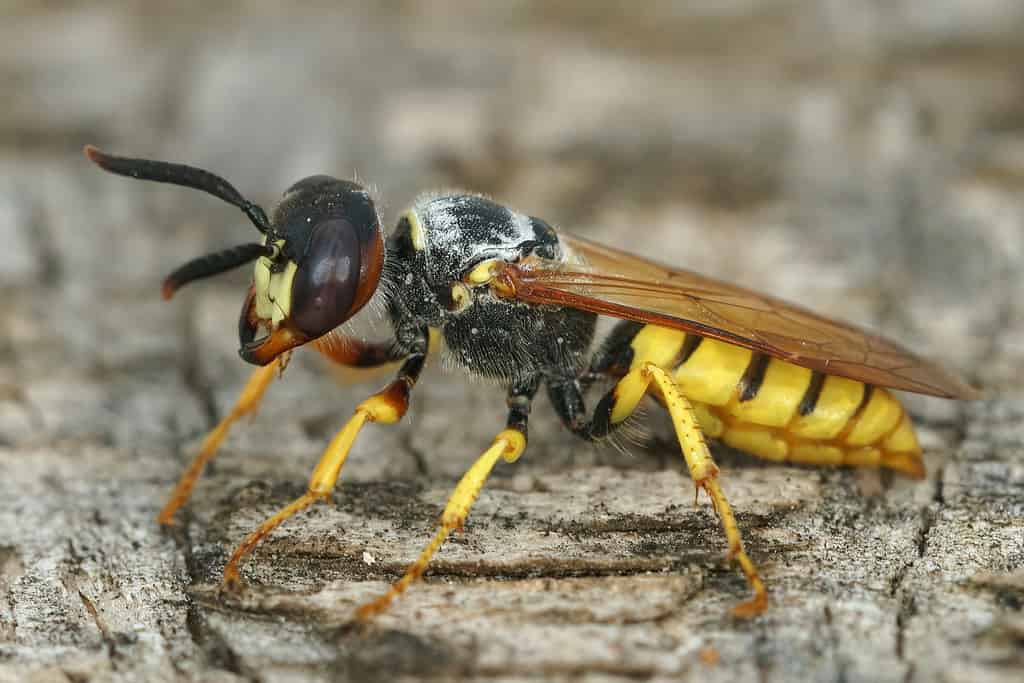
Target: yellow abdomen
pixel 780 411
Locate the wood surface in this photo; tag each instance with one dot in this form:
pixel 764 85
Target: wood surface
pixel 864 159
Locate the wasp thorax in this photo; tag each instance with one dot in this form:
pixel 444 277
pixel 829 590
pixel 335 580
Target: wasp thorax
pixel 329 256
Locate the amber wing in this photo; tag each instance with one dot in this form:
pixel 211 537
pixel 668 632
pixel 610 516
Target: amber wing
pixel 612 282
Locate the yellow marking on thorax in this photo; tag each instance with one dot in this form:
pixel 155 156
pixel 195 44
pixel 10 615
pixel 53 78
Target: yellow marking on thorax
pixel 482 272
pixel 419 241
pixel 461 296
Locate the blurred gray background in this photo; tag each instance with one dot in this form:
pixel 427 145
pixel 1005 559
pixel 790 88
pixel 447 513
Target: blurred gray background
pixel 863 158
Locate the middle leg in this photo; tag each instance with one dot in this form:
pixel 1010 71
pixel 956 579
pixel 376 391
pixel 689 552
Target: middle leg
pixel 508 444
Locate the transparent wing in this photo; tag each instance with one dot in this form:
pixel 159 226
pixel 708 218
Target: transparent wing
pixel 615 283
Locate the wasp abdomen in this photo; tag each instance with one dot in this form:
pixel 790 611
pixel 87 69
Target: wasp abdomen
pixel 780 411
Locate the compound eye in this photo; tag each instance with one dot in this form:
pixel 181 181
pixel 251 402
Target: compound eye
pixel 328 282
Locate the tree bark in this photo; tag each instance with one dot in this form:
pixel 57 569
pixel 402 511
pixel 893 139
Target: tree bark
pixel 874 175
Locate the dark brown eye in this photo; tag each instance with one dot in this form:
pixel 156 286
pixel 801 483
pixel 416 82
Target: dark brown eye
pixel 327 279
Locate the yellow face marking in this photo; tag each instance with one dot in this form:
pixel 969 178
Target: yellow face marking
pixel 261 280
pixel 712 372
pixel 419 241
pixel 273 290
pixel 777 400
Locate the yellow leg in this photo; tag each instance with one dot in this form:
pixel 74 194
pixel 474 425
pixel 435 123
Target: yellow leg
pixel 247 402
pixel 703 470
pixel 386 406
pixel 509 444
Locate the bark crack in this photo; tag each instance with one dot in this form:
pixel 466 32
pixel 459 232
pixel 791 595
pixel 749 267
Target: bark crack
pixel 928 517
pixel 215 648
pixel 43 243
pixel 191 372
pixel 101 626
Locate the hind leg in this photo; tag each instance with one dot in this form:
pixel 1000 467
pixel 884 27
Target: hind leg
pixel 619 403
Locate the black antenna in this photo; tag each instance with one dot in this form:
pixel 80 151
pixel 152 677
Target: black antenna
pixel 179 174
pixel 213 264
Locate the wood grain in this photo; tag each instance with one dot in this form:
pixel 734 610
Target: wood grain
pixel 853 157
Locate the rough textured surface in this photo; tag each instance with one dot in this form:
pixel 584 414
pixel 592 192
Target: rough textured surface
pixel 864 158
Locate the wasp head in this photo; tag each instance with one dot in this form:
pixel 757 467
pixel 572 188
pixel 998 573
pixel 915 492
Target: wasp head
pixel 323 265
pixel 318 264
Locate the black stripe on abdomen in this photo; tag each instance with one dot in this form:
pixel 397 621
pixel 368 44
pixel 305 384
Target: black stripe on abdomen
pixel 690 344
pixel 810 400
pixel 753 376
pixel 864 399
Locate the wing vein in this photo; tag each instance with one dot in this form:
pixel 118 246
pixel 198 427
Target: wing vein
pixel 610 282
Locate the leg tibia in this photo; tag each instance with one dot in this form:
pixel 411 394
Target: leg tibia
pixel 705 475
pixel 321 483
pixel 703 470
pixel 386 406
pixel 509 444
pixel 617 405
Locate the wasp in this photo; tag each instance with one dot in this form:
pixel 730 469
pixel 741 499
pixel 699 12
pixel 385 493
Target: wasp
pixel 517 302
